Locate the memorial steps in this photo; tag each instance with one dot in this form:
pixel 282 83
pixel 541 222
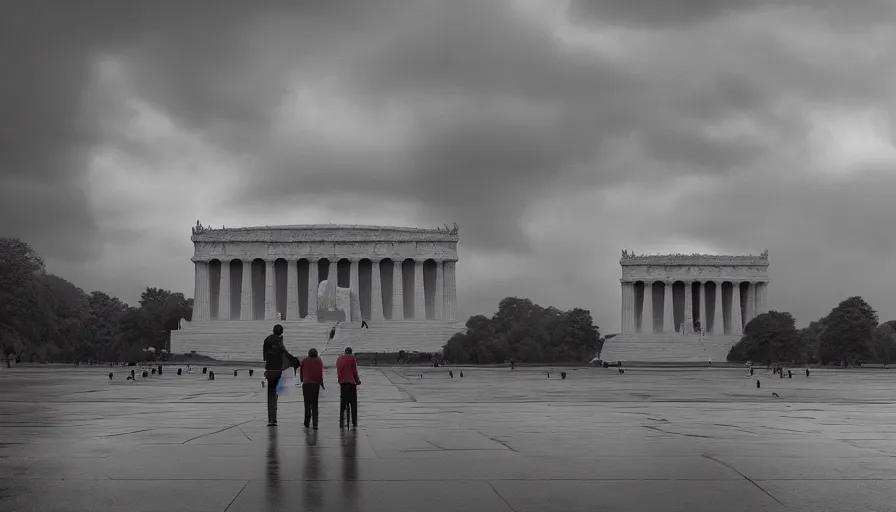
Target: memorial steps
pixel 667 348
pixel 241 340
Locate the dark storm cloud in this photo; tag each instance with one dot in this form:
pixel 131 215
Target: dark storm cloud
pixel 522 111
pixel 497 114
pixel 682 13
pixel 47 128
pixel 188 57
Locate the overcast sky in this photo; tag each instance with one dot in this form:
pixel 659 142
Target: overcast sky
pixel 555 134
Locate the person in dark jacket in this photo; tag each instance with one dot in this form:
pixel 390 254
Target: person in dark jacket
pixel 276 359
pixel 311 373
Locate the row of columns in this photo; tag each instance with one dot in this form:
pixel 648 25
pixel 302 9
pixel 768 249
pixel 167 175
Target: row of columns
pixel 755 303
pixel 445 290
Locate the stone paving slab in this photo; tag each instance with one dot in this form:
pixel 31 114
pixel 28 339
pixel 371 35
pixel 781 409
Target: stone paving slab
pixel 496 439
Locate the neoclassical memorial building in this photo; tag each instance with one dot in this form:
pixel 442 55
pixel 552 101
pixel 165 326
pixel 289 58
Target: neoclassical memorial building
pixel 701 303
pixel 398 281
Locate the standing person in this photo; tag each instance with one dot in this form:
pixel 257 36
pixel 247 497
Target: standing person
pixel 347 375
pixel 311 373
pixel 276 359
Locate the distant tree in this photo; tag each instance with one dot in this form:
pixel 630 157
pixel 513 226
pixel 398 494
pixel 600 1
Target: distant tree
pixel 769 336
pixel 104 325
pixel 24 309
pixel 848 331
pixel 46 318
pixel 66 338
pixel 884 343
pixel 810 341
pixel 525 332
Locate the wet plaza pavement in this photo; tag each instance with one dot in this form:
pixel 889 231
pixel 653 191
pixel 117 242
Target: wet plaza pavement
pixel 495 440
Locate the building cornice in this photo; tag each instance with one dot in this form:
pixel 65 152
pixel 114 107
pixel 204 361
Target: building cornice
pixel 323 233
pixel 630 259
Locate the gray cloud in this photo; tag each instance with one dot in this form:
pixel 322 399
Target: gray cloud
pixel 683 13
pixel 498 115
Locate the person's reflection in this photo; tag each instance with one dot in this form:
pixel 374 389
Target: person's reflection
pixel 272 471
pixel 350 487
pixel 313 486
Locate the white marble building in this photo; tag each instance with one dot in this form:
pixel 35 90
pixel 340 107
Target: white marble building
pixel 680 307
pixel 718 294
pixel 399 281
pixel 274 272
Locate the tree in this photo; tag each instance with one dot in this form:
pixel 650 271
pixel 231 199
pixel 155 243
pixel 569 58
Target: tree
pixel 44 317
pixel 810 341
pixel 103 326
pixel 525 332
pixel 848 331
pixel 24 309
pixel 884 343
pixel 770 336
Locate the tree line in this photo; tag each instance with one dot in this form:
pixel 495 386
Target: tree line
pixel 522 331
pixel 849 334
pixel 45 318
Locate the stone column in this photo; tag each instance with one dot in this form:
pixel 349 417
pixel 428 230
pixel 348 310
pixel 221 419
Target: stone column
pixel 292 290
pixel 333 271
pixel 397 292
pixel 762 293
pixel 270 312
pixel 704 324
pixel 440 291
pixel 376 291
pixel 354 284
pixel 668 317
pixel 247 311
pixel 450 291
pixel 312 289
pixel 224 292
pixel 647 309
pixel 718 318
pixel 688 307
pixel 622 320
pixel 628 306
pixel 757 304
pixel 750 304
pixel 201 293
pixel 737 328
pixel 419 296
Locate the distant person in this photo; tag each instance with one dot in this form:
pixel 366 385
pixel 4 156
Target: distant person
pixel 276 359
pixel 349 380
pixel 311 374
pixel 364 324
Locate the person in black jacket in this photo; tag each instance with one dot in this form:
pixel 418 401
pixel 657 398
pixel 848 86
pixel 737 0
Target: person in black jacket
pixel 276 359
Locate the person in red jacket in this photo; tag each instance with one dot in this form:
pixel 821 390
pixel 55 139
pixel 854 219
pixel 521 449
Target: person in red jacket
pixel 347 375
pixel 311 373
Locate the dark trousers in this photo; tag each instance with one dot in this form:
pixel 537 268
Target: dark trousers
pixel 273 378
pixel 310 393
pixel 348 399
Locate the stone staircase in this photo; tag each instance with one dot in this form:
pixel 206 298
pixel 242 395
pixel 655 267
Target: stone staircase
pixel 672 348
pixel 241 340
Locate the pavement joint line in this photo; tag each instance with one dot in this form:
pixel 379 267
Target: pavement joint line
pixel 502 443
pixel 237 495
pixel 126 433
pixel 732 468
pixel 494 490
pixel 218 431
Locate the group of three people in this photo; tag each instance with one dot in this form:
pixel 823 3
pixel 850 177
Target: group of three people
pixel 311 375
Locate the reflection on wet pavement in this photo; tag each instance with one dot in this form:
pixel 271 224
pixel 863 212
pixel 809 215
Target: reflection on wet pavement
pixel 497 440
